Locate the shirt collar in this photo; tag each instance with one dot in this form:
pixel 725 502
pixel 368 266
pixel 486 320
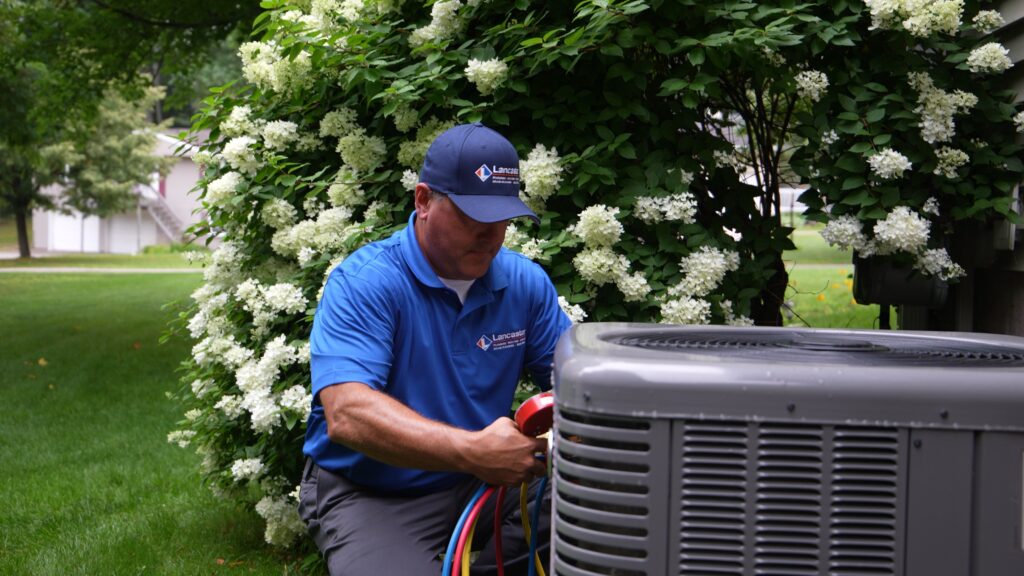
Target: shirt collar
pixel 493 280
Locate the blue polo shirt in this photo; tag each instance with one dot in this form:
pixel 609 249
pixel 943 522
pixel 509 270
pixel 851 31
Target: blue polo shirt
pixel 387 321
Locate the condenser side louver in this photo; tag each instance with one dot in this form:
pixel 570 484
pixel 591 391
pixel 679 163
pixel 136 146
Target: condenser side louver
pixel 776 452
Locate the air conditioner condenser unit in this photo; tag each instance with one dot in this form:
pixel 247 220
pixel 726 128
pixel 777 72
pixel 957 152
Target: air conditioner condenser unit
pixel 784 452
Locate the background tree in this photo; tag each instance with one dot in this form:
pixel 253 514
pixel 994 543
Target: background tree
pixel 61 62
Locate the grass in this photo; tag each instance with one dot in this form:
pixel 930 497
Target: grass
pixel 157 260
pixel 88 483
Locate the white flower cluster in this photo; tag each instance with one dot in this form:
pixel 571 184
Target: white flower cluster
pixel 405 118
pixel 409 180
pixel 731 318
pixel 986 21
pixel 444 24
pixel 829 137
pixel 222 189
pixel 937 107
pixel 600 266
pixel 181 437
pixel 686 310
pixel 541 174
pixel 598 227
pixel 329 232
pixel 265 303
pixel 338 123
pixel 950 160
pixel 264 66
pixel 246 469
pixel 486 74
pixel 573 311
pixel 238 153
pixel 256 380
pixel 811 85
pixel 521 242
pixel 239 123
pixel 634 287
pixel 902 230
pixel 921 18
pixel 732 159
pixel 277 135
pixel 411 153
pixel 936 262
pixel 345 190
pixel 220 349
pixel 209 318
pixel 224 266
pixel 278 213
pixel 990 58
pixel 1018 121
pixel 888 164
pixel 282 517
pixel 703 270
pixel 361 152
pixel 845 232
pixel 679 207
pixel 773 57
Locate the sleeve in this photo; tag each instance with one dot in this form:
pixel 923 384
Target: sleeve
pixel 353 333
pixel 548 323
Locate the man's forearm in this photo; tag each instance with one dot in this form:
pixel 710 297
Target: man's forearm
pixel 384 429
pixel 387 430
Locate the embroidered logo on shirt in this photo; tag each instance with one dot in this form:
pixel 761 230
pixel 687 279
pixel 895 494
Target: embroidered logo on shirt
pixel 484 343
pixel 502 341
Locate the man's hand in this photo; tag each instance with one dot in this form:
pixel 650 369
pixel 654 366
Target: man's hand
pixel 502 455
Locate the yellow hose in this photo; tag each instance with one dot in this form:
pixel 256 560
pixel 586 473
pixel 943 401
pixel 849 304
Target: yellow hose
pixel 525 517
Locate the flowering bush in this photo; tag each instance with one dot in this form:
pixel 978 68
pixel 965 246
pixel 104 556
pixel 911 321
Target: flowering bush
pixel 897 154
pixel 620 118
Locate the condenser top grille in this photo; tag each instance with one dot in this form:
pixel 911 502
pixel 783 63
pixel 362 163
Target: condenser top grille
pixel 876 348
pixel 863 377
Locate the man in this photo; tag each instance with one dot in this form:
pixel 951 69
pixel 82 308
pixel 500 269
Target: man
pixel 417 345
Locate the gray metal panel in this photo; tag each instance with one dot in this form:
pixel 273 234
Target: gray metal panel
pixel 996 540
pixel 610 478
pixel 769 499
pixel 939 503
pixel 595 376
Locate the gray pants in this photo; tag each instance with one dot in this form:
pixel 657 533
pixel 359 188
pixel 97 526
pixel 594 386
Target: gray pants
pixel 361 532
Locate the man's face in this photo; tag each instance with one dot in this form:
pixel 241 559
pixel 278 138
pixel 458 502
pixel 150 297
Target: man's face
pixel 457 247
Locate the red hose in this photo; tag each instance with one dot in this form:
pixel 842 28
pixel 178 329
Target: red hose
pixel 498 508
pixel 468 527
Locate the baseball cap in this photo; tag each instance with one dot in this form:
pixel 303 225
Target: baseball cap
pixel 478 169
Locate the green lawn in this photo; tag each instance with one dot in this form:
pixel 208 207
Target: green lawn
pixel 821 286
pixel 88 483
pixel 168 260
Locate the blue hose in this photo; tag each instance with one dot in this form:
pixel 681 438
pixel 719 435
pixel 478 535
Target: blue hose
pixel 535 523
pixel 450 552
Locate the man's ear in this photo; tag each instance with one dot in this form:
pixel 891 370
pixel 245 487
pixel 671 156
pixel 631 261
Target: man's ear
pixel 422 200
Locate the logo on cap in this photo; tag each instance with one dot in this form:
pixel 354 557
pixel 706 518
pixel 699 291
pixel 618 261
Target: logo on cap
pixel 483 173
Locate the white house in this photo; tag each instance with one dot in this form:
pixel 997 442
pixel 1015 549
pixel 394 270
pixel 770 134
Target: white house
pixel 164 209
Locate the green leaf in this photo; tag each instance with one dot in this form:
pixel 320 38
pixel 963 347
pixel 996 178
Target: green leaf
pixel 696 56
pixel 853 183
pixel 875 115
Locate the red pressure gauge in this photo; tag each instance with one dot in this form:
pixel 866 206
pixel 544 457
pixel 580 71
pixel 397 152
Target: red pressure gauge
pixel 536 414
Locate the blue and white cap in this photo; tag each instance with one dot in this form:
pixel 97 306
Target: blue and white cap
pixel 478 169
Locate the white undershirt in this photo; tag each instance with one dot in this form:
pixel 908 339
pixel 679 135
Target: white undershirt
pixel 461 287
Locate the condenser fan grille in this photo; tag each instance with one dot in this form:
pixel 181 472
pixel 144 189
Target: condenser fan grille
pixel 876 348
